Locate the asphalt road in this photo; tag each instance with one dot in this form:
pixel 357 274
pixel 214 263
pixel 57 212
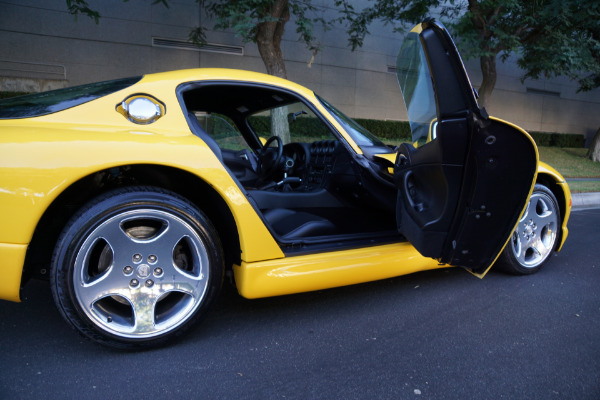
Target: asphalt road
pixel 434 335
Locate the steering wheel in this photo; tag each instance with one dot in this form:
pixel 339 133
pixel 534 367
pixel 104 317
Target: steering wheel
pixel 269 158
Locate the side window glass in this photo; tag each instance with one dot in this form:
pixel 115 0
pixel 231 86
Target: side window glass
pixel 223 130
pixel 292 123
pixel 417 90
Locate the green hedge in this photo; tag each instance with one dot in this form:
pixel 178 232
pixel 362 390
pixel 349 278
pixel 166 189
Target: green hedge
pixel 400 130
pixel 6 95
pixel 391 130
pixel 552 139
pixel 305 126
pixel 312 127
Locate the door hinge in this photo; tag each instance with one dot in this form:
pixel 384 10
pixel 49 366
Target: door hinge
pixel 480 212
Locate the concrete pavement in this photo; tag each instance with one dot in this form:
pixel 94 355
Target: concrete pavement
pixel 586 200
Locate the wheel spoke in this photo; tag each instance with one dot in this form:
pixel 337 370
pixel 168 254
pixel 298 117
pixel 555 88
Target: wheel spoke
pixel 180 281
pixel 143 301
pixel 521 251
pixel 114 235
pixel 164 243
pixel 109 283
pixel 543 217
pixel 526 213
pixel 538 249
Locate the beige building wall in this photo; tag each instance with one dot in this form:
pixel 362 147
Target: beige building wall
pixel 43 47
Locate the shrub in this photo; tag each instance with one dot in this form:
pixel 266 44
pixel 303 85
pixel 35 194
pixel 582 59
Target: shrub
pixel 393 130
pixel 399 131
pixel 6 95
pixel 553 139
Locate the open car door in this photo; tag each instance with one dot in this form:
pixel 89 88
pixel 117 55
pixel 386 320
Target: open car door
pixel 466 179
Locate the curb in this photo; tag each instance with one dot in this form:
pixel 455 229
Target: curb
pixel 585 200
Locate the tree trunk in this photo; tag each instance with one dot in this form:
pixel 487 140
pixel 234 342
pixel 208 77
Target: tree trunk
pixel 268 38
pixel 488 70
pixel 280 125
pixel 594 150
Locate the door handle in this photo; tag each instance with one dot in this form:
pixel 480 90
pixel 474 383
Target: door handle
pixel 411 192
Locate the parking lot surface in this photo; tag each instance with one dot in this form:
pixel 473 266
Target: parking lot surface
pixel 434 335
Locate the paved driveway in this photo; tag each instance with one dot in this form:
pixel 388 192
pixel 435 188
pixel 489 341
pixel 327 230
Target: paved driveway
pixel 434 335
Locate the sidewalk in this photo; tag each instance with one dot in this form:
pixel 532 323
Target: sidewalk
pixel 585 200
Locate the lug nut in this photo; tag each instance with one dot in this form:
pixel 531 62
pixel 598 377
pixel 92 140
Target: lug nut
pixel 137 258
pixel 158 271
pixel 152 259
pixel 128 270
pixel 149 283
pixel 134 282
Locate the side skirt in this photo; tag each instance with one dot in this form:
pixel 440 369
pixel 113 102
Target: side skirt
pixel 305 273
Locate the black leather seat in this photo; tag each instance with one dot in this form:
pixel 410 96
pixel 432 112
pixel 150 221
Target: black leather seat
pixel 290 224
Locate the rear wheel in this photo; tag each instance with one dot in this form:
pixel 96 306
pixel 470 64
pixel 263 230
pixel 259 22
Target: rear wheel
pixel 136 267
pixel 534 241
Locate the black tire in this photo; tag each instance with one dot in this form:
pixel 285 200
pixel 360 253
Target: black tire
pixel 136 267
pixel 534 241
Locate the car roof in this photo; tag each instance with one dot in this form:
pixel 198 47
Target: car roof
pixel 225 74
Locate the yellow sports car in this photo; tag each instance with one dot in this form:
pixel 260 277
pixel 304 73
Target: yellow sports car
pixel 137 197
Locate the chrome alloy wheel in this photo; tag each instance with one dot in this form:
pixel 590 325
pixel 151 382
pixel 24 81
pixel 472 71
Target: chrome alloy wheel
pixel 535 236
pixel 141 273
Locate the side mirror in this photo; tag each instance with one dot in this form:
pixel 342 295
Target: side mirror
pixel 292 116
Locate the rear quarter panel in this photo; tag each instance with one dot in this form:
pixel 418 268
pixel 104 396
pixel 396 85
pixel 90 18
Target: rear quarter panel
pixel 41 157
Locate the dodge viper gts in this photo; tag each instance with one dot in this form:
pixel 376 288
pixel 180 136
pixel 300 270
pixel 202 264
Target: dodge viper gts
pixel 136 198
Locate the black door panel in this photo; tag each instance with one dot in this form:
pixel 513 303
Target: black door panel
pixel 429 180
pixel 464 184
pixel 500 170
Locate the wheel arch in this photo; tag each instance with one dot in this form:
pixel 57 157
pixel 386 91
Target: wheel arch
pixel 83 190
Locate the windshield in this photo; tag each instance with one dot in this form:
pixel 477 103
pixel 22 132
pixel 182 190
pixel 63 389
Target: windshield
pixel 415 82
pixel 360 135
pixel 35 105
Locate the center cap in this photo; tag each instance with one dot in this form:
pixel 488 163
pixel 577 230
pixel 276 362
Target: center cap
pixel 143 270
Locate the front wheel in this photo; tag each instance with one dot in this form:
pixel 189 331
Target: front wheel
pixel 535 237
pixel 136 267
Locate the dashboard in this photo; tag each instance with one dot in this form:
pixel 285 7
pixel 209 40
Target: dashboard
pixel 313 163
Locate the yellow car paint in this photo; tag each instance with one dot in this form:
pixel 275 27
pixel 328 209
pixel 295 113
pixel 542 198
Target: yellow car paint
pixel 44 173
pixel 327 270
pixel 41 157
pixel 11 269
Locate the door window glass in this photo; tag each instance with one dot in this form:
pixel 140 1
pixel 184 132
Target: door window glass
pixel 292 123
pixel 222 130
pixel 415 82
